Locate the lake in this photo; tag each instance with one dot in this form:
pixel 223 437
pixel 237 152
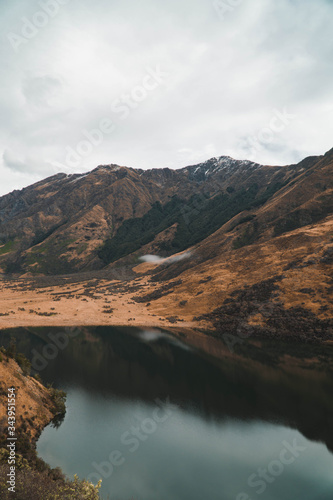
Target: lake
pixel 177 416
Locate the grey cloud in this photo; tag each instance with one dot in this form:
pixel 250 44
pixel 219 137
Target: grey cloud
pixel 26 165
pixel 13 162
pixel 41 90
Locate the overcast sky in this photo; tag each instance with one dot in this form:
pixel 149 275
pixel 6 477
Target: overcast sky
pixel 161 83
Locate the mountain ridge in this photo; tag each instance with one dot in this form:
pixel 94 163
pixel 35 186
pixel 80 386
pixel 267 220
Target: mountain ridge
pixel 75 222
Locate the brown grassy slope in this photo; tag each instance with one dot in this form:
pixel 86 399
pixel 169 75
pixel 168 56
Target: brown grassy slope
pixel 292 238
pixel 33 402
pixel 307 199
pixel 35 407
pixel 302 258
pixel 73 215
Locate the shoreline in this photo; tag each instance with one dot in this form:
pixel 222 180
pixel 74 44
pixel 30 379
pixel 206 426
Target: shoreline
pixel 42 405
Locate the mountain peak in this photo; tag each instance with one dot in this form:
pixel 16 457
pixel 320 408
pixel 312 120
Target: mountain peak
pixel 223 164
pixel 112 167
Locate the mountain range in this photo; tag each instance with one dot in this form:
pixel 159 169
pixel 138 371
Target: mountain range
pixel 234 244
pixel 80 222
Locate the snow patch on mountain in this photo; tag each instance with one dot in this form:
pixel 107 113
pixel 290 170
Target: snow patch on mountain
pixel 224 164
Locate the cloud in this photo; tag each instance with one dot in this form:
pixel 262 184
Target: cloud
pixel 152 335
pixel 31 165
pixel 41 91
pixel 151 258
pixel 13 162
pixel 165 260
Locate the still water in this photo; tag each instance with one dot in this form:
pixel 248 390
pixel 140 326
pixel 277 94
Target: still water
pixel 164 417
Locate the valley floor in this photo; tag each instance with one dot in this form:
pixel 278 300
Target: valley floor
pixel 75 304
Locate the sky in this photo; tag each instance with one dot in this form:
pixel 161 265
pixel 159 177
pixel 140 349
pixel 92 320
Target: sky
pixel 161 83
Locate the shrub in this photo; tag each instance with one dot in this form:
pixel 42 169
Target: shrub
pixel 11 350
pixel 24 363
pixel 32 485
pixel 58 398
pixel 38 377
